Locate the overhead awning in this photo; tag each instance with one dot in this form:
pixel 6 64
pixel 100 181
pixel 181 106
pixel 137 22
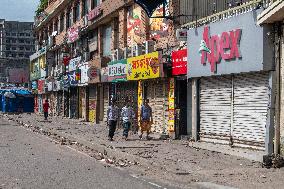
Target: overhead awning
pixel 149 5
pixel 274 13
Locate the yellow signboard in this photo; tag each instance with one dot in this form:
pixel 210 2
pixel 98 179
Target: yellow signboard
pixel 171 123
pixel 140 102
pixel 143 67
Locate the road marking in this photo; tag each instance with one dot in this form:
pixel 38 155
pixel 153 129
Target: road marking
pixel 154 184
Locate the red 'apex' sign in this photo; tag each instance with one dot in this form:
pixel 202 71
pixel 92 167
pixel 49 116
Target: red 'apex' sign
pixel 224 47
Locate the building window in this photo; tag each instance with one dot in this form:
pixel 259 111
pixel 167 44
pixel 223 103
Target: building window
pixel 21 48
pixel 14 48
pixel 107 41
pixel 14 34
pixel 28 34
pixel 62 23
pixel 76 11
pixel 85 7
pixel 7 34
pixel 95 3
pixel 7 41
pixel 22 34
pixel 68 19
pixel 55 27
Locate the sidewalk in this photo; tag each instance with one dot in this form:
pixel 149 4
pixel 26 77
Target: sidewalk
pixel 175 160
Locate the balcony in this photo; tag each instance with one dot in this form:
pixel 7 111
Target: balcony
pixel 246 7
pixel 273 13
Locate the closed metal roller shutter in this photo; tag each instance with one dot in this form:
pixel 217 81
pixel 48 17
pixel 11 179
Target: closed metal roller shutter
pixel 215 109
pixel 251 100
pixel 233 109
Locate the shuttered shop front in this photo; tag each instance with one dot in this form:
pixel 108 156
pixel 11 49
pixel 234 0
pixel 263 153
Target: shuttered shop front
pixel 233 109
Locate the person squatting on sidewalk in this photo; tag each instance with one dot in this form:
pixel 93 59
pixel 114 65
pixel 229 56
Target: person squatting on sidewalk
pixel 112 117
pixel 45 109
pixel 146 118
pixel 127 115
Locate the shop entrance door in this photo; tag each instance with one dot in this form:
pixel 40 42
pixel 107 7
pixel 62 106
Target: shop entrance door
pixel 181 108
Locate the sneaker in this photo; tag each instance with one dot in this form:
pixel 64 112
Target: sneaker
pixel 140 136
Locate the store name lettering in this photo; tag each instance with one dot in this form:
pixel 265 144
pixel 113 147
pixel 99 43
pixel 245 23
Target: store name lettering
pixel 117 70
pixel 226 47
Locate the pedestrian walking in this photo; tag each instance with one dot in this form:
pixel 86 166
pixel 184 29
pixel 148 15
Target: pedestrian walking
pixel 127 115
pixel 45 109
pixel 146 118
pixel 112 117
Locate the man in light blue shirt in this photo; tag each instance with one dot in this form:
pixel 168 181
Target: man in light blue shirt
pixel 127 115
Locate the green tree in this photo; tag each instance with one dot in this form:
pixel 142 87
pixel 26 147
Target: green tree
pixel 42 5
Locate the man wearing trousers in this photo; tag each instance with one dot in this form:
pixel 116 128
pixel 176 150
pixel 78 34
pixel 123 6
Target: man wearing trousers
pixel 127 114
pixel 112 117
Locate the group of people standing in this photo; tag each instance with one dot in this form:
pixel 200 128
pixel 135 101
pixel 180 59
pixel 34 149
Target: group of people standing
pixel 127 115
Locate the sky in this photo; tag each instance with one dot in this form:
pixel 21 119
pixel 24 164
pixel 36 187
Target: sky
pixel 18 10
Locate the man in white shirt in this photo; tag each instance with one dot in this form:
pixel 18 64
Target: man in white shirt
pixel 112 117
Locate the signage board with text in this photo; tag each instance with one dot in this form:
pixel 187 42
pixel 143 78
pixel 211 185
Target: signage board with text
pixel 234 45
pixel 144 67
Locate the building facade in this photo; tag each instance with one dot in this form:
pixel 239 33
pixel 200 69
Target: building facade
pixel 16 46
pixel 198 66
pixel 274 15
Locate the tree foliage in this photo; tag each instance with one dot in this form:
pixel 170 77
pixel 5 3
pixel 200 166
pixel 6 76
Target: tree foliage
pixel 42 5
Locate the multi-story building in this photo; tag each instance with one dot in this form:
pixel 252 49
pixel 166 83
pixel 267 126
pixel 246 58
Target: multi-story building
pixel 16 46
pixel 80 38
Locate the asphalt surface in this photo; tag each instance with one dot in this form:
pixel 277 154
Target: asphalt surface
pixel 30 160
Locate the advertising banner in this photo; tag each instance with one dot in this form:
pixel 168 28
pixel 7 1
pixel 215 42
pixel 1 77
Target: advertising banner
pixel 179 59
pixel 117 71
pixel 144 67
pixel 41 86
pixel 74 63
pixel 72 78
pixel 73 34
pixel 84 73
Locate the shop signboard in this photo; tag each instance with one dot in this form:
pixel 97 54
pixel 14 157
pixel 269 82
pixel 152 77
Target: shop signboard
pixel 72 78
pixel 143 67
pixel 234 45
pixel 41 86
pixel 84 73
pixel 117 71
pixel 34 85
pixel 74 63
pixel 73 34
pixel 179 59
pixel 50 86
pixel 95 13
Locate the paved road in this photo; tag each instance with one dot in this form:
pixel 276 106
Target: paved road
pixel 30 160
